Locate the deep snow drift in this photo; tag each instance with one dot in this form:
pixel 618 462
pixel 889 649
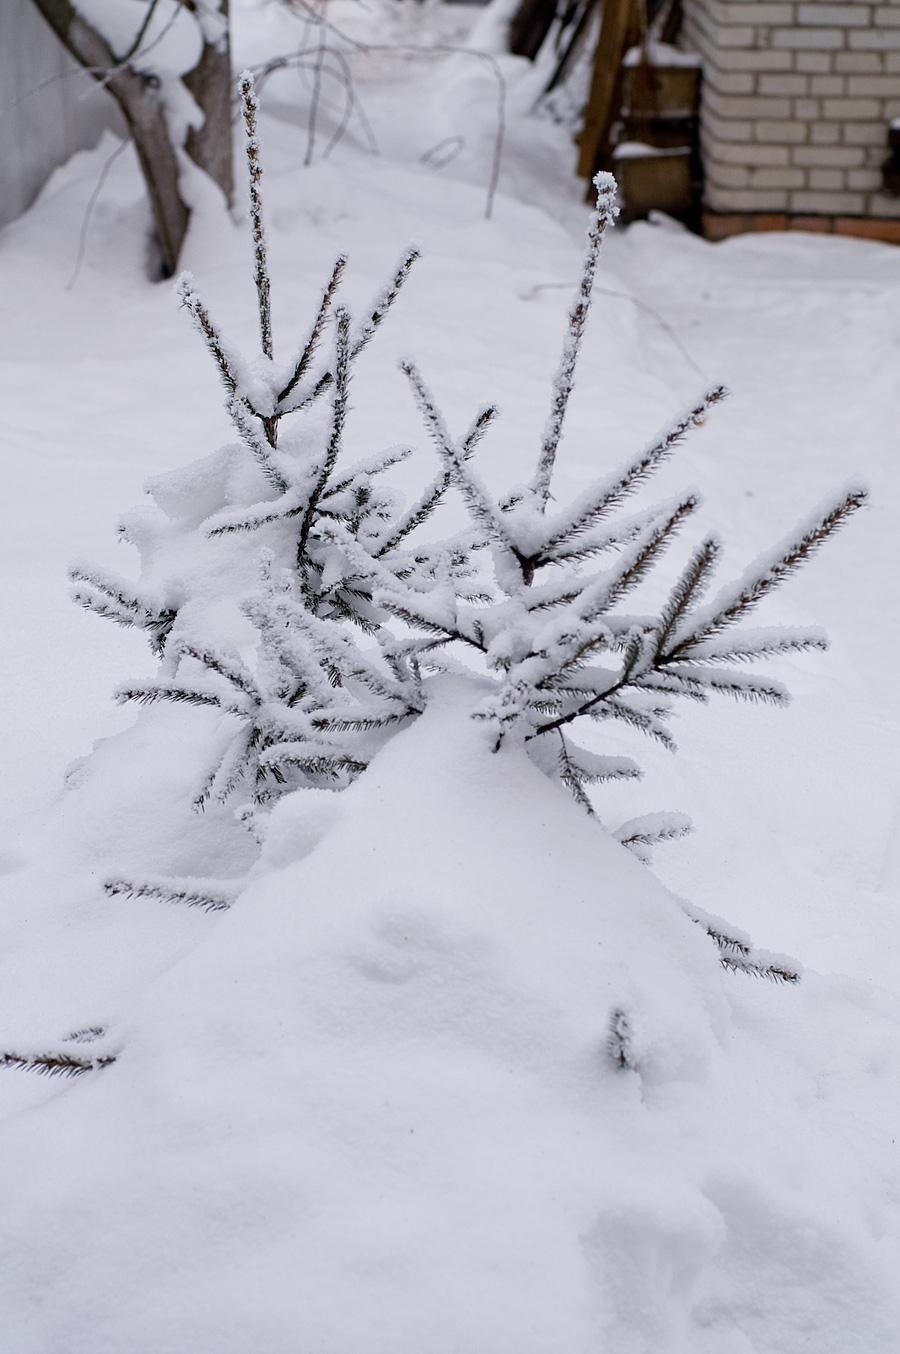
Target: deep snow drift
pixel 371 1108
pixel 375 1108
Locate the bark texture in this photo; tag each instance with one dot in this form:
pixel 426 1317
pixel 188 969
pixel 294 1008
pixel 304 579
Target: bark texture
pixel 210 146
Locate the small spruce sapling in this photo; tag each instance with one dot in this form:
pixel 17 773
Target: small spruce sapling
pixel 353 611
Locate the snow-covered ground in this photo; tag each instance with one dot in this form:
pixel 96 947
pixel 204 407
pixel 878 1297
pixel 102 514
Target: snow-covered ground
pixel 369 1110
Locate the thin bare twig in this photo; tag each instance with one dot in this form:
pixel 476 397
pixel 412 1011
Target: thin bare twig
pixel 321 49
pixel 312 16
pixel 89 209
pixel 141 33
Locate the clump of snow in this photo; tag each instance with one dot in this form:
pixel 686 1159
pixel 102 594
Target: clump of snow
pixel 640 150
pixel 661 54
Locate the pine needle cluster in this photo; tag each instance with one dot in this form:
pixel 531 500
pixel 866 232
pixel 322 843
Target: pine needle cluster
pixel 555 634
pixel 62 1062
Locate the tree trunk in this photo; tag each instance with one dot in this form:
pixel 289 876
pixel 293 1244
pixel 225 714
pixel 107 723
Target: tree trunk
pixel 138 95
pixel 210 146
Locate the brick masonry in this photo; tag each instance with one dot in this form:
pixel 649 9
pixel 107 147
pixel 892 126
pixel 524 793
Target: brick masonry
pixel 797 98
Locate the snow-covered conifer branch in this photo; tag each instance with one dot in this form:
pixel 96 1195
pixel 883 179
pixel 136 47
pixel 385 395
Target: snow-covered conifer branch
pixel 577 768
pixel 210 895
pixel 760 966
pixel 186 291
pixel 477 429
pixel 750 644
pixel 481 506
pixel 597 540
pixel 338 417
pixel 688 590
pixel 56 1064
pixel 597 502
pixel 364 470
pixel 646 721
pixel 241 413
pixel 301 366
pixel 383 302
pixel 738 953
pixel 152 692
pixel 235 673
pixel 302 400
pixel 327 764
pixel 340 651
pixel 574 776
pixel 413 613
pixel 232 769
pixel 108 596
pixel 291 504
pixel 771 569
pixel 420 512
pixel 619 1041
pixel 743 686
pixel 87 1035
pixel 417 515
pixel 563 382
pixel 640 835
pixel 249 110
pixel 637 563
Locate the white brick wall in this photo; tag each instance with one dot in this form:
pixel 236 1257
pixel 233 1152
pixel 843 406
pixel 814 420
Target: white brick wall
pixel 796 104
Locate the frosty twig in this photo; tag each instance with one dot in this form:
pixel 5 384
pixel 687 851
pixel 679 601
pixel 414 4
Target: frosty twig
pixel 249 110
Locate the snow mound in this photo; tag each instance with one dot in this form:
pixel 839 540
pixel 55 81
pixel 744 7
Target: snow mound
pixel 454 1072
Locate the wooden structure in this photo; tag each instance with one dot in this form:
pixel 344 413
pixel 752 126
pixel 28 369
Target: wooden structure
pixel 794 121
pixel 641 116
pixel 619 30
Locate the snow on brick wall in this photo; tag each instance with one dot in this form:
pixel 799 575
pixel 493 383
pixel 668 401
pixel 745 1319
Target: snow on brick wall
pixel 796 105
pixel 48 108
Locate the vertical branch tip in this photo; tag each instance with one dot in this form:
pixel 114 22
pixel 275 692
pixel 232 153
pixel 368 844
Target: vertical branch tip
pixel 249 110
pixel 604 215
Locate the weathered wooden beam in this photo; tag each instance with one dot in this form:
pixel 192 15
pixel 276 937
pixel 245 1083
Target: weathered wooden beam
pixel 601 110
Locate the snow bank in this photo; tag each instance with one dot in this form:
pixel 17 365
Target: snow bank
pixel 376 1109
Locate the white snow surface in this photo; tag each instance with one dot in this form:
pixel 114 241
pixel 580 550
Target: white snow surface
pixel 371 1108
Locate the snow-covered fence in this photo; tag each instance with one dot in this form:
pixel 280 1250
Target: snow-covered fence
pixel 48 108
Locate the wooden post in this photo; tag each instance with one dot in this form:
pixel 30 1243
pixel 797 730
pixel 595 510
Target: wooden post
pixel 601 106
